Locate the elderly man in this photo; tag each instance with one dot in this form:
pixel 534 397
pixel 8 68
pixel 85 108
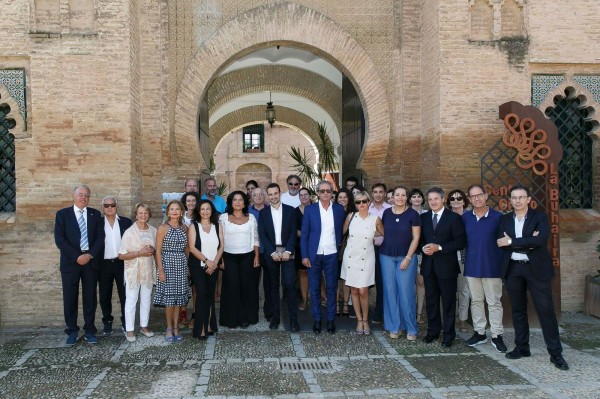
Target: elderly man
pixel 291 196
pixel 527 265
pixel 79 235
pixel 321 236
pixel 211 194
pixel 191 186
pixel 112 269
pixel 482 268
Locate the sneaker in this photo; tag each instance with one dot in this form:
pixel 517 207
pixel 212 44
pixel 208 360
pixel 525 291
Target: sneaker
pixel 90 338
pixel 71 339
pixel 108 328
pixel 498 343
pixel 477 339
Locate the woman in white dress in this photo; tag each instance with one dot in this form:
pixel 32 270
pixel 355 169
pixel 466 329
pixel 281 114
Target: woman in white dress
pixel 358 267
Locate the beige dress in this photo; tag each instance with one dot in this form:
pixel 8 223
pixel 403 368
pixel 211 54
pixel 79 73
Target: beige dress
pixel 358 265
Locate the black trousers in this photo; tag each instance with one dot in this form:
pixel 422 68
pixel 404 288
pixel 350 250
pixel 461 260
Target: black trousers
pixel 239 293
pixel 266 281
pixel 204 307
pixel 287 270
pixel 520 279
pixel 436 288
pixel 88 276
pixel 111 270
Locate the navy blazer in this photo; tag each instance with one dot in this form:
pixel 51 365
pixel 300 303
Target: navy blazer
pixel 266 229
pixel 124 224
pixel 67 237
pixel 450 234
pixel 311 229
pixel 535 248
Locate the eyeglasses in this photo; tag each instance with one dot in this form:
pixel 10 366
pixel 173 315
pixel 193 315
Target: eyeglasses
pixel 325 191
pixel 477 196
pixel 456 198
pixel 358 202
pixel 109 205
pixel 519 198
pixel 294 184
pixel 80 195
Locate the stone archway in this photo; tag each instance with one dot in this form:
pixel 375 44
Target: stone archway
pixel 292 25
pixel 255 171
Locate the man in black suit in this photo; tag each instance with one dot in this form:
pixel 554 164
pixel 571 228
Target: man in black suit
pixel 79 235
pixel 442 234
pixel 526 265
pixel 277 231
pixel 112 269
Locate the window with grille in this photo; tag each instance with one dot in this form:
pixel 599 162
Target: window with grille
pixel 254 138
pixel 7 161
pixel 575 168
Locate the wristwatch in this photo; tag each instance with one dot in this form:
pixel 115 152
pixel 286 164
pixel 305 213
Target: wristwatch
pixel 440 247
pixel 509 241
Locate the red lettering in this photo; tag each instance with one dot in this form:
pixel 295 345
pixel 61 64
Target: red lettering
pixel 556 262
pixel 554 219
pixel 553 193
pixel 553 179
pixel 555 229
pixel 488 189
pixel 533 204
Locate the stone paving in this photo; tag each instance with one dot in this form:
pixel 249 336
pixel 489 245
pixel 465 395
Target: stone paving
pixel 259 363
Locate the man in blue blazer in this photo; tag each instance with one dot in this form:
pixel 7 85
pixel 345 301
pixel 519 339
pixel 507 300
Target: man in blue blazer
pixel 526 265
pixel 320 240
pixel 277 231
pixel 442 235
pixel 79 235
pixel 112 269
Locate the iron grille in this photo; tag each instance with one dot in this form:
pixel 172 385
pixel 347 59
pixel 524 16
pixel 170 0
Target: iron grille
pixel 575 168
pixel 305 366
pixel 7 161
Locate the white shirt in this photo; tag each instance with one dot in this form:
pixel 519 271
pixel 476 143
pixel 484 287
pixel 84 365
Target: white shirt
pixel 327 244
pixel 277 215
pixel 518 234
pixel 112 240
pixel 439 213
pixel 287 199
pixel 239 238
pixel 78 212
pixel 373 210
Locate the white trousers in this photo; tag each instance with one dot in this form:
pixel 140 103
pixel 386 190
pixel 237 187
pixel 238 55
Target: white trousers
pixel 463 294
pixel 489 289
pixel 144 292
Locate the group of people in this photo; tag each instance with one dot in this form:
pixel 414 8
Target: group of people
pixel 352 239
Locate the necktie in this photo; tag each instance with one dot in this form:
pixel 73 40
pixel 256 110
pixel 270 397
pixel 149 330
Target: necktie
pixel 435 220
pixel 83 242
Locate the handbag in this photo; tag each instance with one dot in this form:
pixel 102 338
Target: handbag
pixel 345 241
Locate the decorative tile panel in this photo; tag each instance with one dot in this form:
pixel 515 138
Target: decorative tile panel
pixel 14 81
pixel 541 85
pixel 590 82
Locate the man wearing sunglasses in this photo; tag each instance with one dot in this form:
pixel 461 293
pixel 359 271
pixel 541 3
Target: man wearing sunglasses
pixel 291 196
pixel 321 236
pixel 111 268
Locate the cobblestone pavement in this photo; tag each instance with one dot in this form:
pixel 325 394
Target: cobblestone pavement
pixel 258 363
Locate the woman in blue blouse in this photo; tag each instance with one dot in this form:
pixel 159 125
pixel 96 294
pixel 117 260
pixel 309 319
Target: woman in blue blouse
pixel 402 229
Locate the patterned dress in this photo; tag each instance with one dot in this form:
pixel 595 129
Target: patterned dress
pixel 174 291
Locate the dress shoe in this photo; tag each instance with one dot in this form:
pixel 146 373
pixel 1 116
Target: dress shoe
pixel 559 362
pixel 72 339
pixel 245 325
pixel 447 343
pixel 274 325
pixel 430 338
pixel 294 326
pixel 317 327
pixel 331 327
pixel 518 353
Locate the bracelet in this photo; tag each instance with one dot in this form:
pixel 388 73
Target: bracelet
pixel 408 257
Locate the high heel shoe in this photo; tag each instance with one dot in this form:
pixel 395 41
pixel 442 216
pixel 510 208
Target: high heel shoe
pixel 366 328
pixel 302 305
pixel 420 319
pixel 359 328
pixel 345 311
pixel 337 309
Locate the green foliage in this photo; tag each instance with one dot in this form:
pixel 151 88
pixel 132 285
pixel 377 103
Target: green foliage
pixel 303 165
pixel 222 188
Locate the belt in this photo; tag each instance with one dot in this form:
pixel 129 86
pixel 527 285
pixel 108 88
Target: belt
pixel 112 260
pixel 521 261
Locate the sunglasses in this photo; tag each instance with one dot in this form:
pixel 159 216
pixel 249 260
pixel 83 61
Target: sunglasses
pixel 109 205
pixel 457 198
pixel 294 184
pixel 358 202
pixel 325 191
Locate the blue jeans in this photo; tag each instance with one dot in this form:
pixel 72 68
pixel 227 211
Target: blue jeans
pixel 399 303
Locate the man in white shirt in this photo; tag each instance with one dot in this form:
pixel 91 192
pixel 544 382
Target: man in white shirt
pixel 291 197
pixel 377 207
pixel 277 231
pixel 111 268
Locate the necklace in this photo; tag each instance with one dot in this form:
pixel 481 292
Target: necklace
pixel 398 213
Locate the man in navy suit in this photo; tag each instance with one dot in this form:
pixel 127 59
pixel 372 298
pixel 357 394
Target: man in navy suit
pixel 79 235
pixel 526 265
pixel 112 269
pixel 277 231
pixel 320 240
pixel 442 234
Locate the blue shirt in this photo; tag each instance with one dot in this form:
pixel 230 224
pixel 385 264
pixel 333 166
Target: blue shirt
pixel 219 203
pixel 398 232
pixel 482 257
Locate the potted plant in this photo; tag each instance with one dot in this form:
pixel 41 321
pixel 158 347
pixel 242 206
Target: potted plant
pixel 591 300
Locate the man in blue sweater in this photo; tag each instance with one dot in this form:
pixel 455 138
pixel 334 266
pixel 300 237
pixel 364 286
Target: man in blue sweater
pixel 483 269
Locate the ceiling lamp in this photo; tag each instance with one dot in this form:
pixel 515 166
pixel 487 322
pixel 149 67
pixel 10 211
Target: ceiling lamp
pixel 270 112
